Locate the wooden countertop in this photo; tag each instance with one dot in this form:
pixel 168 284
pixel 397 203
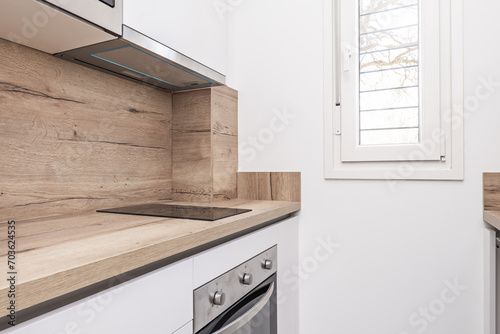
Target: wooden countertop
pixel 59 255
pixel 492 218
pixel 491 199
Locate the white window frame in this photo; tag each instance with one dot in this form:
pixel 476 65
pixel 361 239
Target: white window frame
pixel 440 155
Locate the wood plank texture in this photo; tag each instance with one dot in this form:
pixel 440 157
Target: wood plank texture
pixel 224 142
pixel 62 254
pixel 491 191
pixel 205 145
pixel 277 186
pixel 192 146
pixel 74 139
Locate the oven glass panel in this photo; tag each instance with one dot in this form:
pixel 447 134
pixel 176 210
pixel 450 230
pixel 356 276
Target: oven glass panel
pixel 110 3
pixel 264 322
pixel 260 324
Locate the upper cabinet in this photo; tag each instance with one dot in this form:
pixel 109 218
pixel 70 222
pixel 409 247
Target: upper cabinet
pixel 191 27
pixel 174 45
pixel 104 13
pixel 56 26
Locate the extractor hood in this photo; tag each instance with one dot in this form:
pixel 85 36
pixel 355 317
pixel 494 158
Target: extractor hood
pixel 141 58
pixel 93 33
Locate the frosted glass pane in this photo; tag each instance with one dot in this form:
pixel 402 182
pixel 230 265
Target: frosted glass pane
pixel 370 6
pixel 402 77
pixel 381 137
pixel 394 118
pixel 388 99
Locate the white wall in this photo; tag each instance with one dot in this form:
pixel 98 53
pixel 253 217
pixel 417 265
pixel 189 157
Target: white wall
pixel 396 247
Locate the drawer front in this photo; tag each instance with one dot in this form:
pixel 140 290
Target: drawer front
pixel 216 261
pixel 158 302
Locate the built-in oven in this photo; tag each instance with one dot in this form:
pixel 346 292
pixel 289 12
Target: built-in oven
pixel 240 301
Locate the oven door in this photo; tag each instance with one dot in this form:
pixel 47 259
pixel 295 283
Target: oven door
pixel 255 313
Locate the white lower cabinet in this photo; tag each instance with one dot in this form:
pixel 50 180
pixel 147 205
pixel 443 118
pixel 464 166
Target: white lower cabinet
pixel 186 329
pixel 288 278
pixel 159 302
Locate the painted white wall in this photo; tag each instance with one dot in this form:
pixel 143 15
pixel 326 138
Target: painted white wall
pixel 397 247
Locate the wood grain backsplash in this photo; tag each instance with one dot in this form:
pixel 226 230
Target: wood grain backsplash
pixel 205 144
pixel 491 191
pixel 270 186
pixel 75 139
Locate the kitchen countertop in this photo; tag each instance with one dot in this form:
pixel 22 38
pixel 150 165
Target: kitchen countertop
pixel 492 218
pixel 491 199
pixel 59 255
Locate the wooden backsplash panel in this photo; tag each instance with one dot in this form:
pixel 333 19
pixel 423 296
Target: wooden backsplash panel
pixel 491 191
pixel 270 186
pixel 192 152
pixel 205 144
pixel 224 142
pixel 74 139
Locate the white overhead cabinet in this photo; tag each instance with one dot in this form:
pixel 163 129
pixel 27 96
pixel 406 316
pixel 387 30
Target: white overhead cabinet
pixel 194 28
pixel 174 45
pixel 42 26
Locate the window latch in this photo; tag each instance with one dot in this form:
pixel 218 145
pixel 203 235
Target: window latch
pixel 347 58
pixel 337 119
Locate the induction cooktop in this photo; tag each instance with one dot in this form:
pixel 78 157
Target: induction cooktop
pixel 177 211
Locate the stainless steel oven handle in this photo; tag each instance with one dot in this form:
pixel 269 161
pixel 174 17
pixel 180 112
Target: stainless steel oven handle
pixel 241 321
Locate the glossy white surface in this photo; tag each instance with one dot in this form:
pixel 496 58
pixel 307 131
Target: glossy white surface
pixel 95 11
pixel 159 302
pixel 41 27
pixel 287 282
pixel 186 329
pixel 217 260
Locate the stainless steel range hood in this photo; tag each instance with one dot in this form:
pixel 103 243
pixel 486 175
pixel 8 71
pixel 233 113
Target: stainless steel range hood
pixel 141 58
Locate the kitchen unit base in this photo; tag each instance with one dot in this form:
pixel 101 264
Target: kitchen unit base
pixel 166 294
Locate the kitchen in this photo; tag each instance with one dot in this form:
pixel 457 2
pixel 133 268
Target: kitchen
pixel 392 247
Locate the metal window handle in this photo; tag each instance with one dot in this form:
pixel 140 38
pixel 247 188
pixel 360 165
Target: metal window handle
pixel 245 318
pixel 347 58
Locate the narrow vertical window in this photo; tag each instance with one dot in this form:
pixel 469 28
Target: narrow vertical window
pixel 389 90
pixel 394 89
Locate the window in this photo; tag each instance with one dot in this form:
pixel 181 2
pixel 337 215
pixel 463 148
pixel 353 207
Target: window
pixel 388 72
pixel 393 89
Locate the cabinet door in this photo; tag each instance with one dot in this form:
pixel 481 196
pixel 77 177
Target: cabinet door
pixel 195 28
pixel 159 302
pixel 288 278
pixel 187 329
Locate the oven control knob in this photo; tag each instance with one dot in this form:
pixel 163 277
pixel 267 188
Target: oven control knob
pixel 268 264
pixel 219 298
pixel 247 279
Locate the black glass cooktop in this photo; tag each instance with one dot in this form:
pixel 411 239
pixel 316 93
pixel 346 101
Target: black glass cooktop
pixel 177 211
